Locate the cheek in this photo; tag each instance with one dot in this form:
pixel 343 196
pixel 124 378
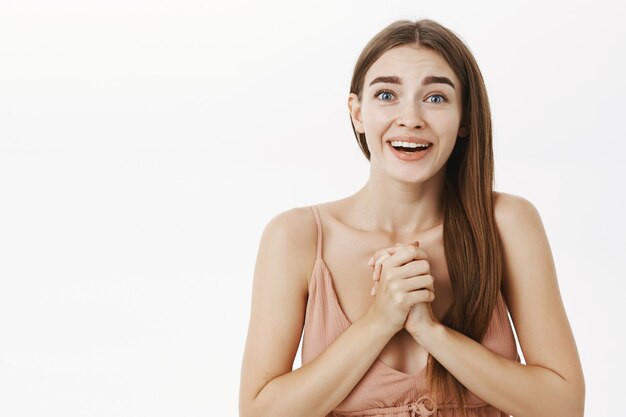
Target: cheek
pixel 375 122
pixel 381 119
pixel 447 125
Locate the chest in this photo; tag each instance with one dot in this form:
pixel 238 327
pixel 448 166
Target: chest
pixel 346 253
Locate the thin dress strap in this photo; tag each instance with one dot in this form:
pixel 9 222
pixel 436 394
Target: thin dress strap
pixel 319 232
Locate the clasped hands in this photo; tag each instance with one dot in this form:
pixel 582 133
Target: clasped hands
pixel 404 288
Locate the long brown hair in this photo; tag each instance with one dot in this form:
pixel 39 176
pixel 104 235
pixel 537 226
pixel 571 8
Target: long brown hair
pixel 471 243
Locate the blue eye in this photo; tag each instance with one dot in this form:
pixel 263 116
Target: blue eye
pixel 390 94
pixel 383 91
pixel 439 95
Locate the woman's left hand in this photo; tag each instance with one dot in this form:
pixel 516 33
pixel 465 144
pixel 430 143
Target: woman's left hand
pixel 420 317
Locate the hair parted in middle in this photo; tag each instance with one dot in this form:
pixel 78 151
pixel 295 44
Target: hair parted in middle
pixel 471 242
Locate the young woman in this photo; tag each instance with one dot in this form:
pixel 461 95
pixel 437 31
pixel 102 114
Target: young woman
pixel 426 259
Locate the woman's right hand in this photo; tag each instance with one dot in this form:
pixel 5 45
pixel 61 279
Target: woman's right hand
pixel 403 279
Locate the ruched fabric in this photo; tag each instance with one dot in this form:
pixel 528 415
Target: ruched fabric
pixel 383 390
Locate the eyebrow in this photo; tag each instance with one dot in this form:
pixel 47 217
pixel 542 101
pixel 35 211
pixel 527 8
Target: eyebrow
pixel 431 79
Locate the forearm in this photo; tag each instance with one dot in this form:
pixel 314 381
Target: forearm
pixel 517 389
pixel 319 386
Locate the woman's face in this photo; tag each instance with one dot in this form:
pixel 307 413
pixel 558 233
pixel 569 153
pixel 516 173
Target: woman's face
pixel 399 101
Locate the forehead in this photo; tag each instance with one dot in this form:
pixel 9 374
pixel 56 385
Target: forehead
pixel 410 63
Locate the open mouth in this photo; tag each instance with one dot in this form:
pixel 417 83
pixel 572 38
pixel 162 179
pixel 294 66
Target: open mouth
pixel 418 147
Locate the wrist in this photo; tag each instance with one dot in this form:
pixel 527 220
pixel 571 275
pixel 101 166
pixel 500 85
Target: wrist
pixel 427 333
pixel 379 326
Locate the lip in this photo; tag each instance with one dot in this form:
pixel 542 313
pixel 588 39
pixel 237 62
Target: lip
pixel 411 139
pixel 410 157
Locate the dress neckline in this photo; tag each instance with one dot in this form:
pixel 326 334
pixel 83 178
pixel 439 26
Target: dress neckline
pixel 382 364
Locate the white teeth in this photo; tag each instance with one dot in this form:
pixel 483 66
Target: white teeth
pixel 409 144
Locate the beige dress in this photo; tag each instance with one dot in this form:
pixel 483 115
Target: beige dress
pixel 385 391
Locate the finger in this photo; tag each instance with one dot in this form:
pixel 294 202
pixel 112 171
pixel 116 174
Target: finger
pixel 417 283
pixel 374 288
pixel 399 245
pixel 395 248
pixel 390 251
pixel 378 266
pixel 413 268
pixel 379 253
pixel 413 243
pixel 420 296
pixel 380 256
pixel 407 253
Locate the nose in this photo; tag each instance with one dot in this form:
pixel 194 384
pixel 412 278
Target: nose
pixel 410 116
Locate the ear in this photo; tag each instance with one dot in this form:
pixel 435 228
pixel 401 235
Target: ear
pixel 354 106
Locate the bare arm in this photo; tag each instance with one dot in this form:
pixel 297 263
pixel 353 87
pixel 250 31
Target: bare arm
pixel 268 386
pixel 552 382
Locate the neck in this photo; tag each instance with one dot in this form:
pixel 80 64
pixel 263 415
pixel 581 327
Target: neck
pixel 399 208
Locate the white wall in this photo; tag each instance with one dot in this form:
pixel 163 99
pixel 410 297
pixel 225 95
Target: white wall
pixel 144 145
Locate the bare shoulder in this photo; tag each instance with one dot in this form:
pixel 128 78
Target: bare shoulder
pixel 531 289
pixel 293 234
pixel 279 298
pixel 520 229
pixel 507 207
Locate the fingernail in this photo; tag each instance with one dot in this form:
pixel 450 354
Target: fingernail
pixel 372 292
pixel 371 261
